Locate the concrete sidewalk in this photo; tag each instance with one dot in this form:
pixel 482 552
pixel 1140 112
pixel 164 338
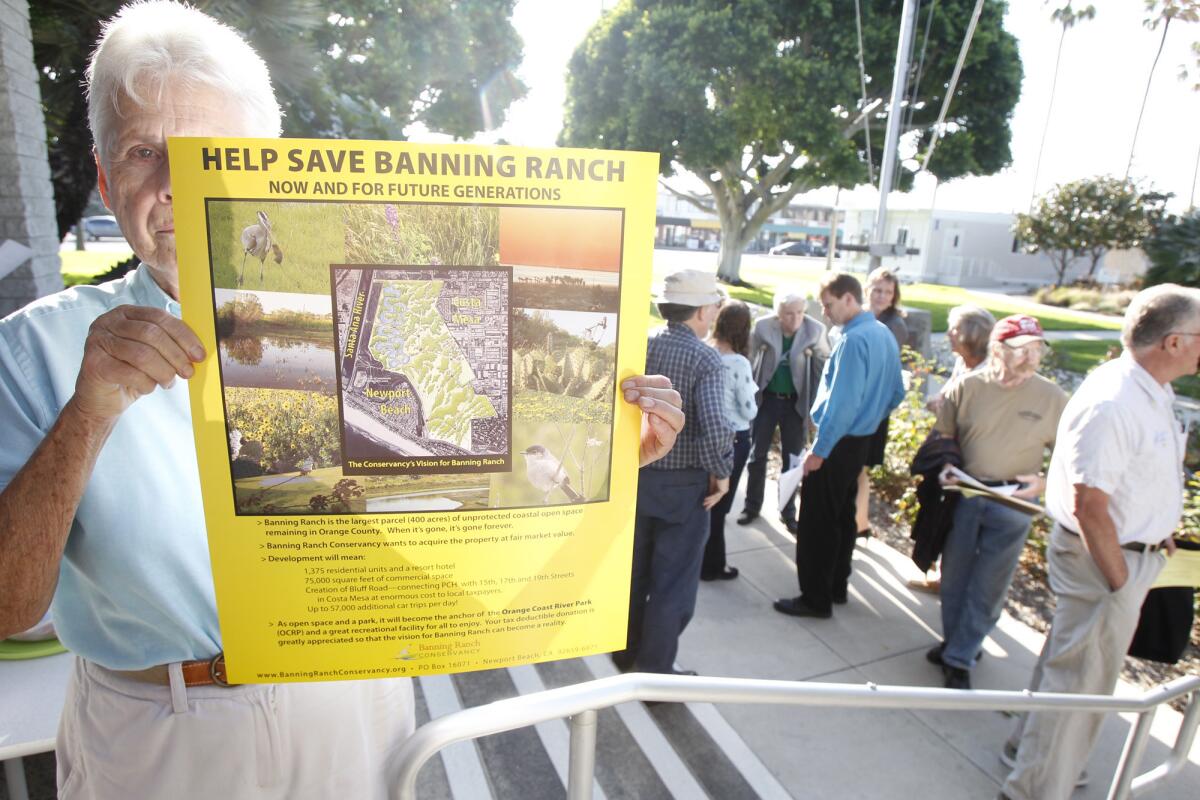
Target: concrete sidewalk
pixel 880 636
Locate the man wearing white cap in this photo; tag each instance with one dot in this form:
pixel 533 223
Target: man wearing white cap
pixel 676 492
pixel 1004 417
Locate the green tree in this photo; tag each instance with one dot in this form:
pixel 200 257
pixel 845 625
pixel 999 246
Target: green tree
pixel 347 69
pixel 759 99
pixel 1087 218
pixel 1174 250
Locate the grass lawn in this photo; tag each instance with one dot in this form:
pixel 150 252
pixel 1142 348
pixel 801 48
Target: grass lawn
pixel 80 266
pixel 768 274
pixel 1082 356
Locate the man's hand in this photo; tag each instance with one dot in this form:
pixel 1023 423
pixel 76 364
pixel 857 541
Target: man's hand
pixel 1034 486
pixel 1100 534
pixel 129 352
pixel 662 414
pixel 717 488
pixel 946 477
pixel 813 463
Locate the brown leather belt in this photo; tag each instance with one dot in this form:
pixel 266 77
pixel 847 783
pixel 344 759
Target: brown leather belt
pixel 210 672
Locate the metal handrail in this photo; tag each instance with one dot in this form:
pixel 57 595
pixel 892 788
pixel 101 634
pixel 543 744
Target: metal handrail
pixel 580 702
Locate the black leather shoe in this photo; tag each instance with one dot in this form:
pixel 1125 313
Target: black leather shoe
pixel 791 525
pixel 747 517
pixel 623 663
pixel 840 599
pixel 795 607
pixel 934 654
pixel 727 574
pixel 956 678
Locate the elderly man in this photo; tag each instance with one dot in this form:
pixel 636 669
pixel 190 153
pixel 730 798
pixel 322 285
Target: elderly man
pixel 860 385
pixel 969 332
pixel 676 493
pixel 99 491
pixel 1004 417
pixel 787 350
pixel 1115 492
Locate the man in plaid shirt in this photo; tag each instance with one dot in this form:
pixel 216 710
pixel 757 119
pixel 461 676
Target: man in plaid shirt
pixel 676 492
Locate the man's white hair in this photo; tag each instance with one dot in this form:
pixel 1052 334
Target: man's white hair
pixel 782 300
pixel 152 46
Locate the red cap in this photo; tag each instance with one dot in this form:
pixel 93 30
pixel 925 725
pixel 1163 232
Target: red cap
pixel 1017 330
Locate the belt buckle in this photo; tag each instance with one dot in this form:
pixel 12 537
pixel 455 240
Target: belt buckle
pixel 216 670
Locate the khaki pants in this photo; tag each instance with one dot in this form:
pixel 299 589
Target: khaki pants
pixel 119 738
pixel 1083 654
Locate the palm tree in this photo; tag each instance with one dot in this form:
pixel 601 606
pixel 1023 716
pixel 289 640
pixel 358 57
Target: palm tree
pixel 1161 11
pixel 1067 17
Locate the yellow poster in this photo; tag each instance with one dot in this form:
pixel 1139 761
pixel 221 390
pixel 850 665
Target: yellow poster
pixel 413 450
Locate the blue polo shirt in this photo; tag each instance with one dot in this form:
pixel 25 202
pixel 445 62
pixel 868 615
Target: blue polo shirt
pixel 860 385
pixel 135 583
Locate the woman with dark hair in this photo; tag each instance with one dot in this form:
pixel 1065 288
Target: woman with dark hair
pixel 731 338
pixel 883 297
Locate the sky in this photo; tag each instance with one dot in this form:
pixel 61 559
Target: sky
pixel 1105 64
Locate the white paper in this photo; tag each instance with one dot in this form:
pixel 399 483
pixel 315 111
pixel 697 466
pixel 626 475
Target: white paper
pixel 790 478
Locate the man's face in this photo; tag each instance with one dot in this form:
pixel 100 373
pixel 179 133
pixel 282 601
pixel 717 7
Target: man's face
pixel 1018 364
pixel 791 316
pixel 1184 344
pixel 135 180
pixel 839 310
pixel 954 336
pixel 880 295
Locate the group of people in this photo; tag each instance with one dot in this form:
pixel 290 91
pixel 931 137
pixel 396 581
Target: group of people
pixel 739 384
pixel 1114 486
pixel 100 495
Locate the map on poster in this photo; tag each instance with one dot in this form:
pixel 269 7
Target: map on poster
pixel 424 369
pixel 413 451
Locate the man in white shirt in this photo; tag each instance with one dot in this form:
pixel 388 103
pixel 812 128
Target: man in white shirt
pixel 1115 492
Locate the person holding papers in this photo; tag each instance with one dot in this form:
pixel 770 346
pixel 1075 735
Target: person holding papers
pixel 1004 417
pixel 860 385
pixel 100 505
pixel 1115 493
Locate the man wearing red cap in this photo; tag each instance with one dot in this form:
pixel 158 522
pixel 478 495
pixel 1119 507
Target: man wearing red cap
pixel 1004 417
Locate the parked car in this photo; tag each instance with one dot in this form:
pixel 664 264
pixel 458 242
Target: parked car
pixel 802 248
pixel 102 227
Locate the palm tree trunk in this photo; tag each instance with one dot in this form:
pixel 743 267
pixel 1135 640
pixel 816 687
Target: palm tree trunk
pixel 1146 96
pixel 1037 167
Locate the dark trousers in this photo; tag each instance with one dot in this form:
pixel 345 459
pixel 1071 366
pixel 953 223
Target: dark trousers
pixel 714 551
pixel 825 541
pixel 774 412
pixel 670 529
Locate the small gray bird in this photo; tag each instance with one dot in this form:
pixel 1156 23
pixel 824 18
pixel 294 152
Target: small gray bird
pixel 546 473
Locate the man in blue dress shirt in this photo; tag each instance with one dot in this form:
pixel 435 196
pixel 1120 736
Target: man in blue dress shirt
pixel 860 385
